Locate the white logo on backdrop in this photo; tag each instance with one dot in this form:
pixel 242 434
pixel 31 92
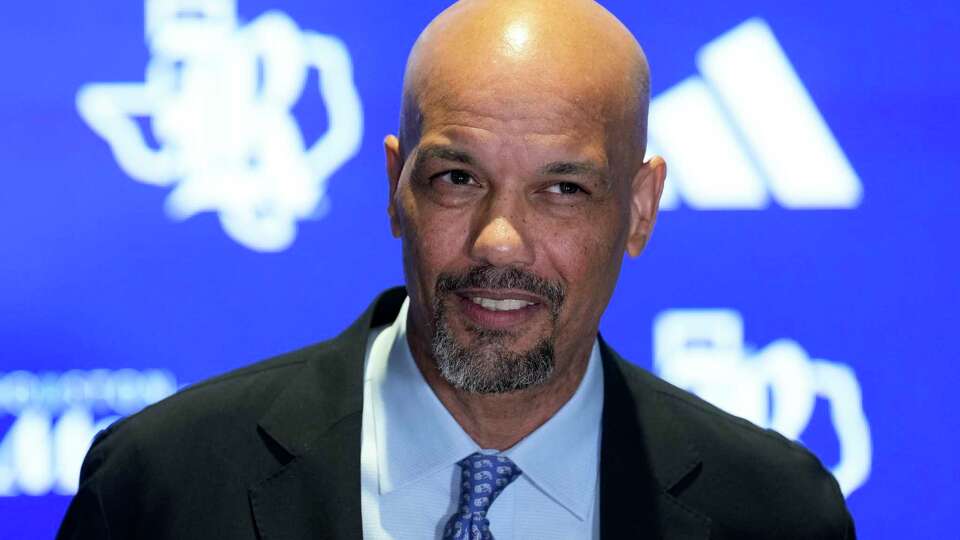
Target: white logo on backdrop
pixel 218 97
pixel 747 131
pixel 777 387
pixel 56 416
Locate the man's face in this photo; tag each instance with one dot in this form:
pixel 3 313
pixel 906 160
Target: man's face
pixel 514 208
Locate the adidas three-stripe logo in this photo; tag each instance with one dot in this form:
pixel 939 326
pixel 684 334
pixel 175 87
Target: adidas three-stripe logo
pixel 746 133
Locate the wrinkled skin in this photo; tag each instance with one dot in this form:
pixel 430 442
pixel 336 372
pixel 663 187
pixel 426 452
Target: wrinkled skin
pixel 521 149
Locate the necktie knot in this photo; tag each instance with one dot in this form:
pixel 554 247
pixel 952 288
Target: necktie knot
pixel 482 478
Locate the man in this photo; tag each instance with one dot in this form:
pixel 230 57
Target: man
pixel 479 402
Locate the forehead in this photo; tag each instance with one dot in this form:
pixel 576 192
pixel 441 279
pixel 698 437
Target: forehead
pixel 532 112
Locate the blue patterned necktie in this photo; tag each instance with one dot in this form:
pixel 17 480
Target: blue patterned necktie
pixel 483 478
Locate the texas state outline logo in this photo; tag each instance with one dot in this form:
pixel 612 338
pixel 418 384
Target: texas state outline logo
pixel 217 96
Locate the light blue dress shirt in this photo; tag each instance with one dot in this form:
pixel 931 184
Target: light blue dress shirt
pixel 409 477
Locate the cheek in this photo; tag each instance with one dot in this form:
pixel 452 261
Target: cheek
pixel 433 241
pixel 583 259
pixel 587 257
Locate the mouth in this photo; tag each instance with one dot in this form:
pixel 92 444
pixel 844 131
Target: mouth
pixel 499 309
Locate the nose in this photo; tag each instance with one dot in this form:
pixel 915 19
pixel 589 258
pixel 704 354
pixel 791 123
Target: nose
pixel 499 243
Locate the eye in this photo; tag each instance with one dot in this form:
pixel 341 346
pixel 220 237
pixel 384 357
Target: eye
pixel 565 188
pixel 456 177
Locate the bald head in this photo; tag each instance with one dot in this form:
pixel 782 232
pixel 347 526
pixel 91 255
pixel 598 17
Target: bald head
pixel 517 184
pixel 517 51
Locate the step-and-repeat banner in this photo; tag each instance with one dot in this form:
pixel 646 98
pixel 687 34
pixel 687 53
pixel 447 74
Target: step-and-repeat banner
pixel 193 185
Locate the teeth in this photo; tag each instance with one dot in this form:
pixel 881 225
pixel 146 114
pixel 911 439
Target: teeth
pixel 500 305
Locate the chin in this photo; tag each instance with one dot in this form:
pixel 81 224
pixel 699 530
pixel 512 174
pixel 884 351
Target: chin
pixel 484 365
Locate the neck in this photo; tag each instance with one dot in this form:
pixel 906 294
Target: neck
pixel 500 421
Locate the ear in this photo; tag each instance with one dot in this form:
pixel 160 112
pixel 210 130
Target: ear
pixel 645 190
pixel 391 147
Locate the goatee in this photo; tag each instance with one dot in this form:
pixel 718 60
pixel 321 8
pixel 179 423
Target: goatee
pixel 487 366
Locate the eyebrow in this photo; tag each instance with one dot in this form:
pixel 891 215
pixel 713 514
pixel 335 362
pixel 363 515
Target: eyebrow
pixel 433 151
pixel 571 168
pixel 587 169
pixel 555 168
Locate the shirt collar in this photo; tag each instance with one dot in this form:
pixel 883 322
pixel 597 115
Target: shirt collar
pixel 562 456
pixel 417 436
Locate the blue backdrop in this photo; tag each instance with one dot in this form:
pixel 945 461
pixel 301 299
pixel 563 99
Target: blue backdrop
pixel 803 273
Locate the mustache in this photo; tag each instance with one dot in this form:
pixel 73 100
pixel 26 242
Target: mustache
pixel 492 277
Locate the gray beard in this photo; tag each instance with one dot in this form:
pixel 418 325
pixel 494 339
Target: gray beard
pixel 488 368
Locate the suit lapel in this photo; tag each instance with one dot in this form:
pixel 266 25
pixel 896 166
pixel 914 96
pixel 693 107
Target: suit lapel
pixel 313 430
pixel 645 461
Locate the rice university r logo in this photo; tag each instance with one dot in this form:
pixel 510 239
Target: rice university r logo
pixel 218 97
pixel 777 387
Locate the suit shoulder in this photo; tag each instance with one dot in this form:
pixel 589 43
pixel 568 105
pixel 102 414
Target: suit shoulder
pixel 243 391
pixel 213 415
pixel 714 427
pixel 750 477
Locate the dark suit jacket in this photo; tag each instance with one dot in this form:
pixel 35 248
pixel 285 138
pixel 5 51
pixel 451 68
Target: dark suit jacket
pixel 272 451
